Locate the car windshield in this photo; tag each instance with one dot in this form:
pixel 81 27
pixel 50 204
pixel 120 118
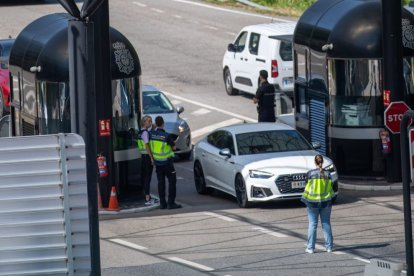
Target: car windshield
pixel 270 141
pixel 156 102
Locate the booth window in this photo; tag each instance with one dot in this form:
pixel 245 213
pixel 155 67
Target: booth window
pixel 301 71
pixel 125 106
pixel 355 92
pixel 53 107
pixel 240 42
pixel 254 43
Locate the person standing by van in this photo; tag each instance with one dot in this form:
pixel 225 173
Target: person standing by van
pixel 162 145
pixel 318 197
pixel 147 161
pixel 265 99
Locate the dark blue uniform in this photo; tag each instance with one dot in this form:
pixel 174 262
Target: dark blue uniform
pixel 266 102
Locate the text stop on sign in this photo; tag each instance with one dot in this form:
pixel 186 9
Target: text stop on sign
pixel 394 114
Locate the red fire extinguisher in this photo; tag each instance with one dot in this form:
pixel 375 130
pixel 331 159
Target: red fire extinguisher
pixel 103 169
pixel 385 140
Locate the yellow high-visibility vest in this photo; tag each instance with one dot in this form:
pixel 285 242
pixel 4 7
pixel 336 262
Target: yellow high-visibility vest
pixel 318 188
pixel 160 149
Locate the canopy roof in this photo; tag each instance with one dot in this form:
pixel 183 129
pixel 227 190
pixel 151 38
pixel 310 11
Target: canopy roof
pixel 354 27
pixel 44 43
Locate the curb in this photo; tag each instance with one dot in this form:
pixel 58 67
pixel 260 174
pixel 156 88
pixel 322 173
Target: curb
pixel 392 187
pixel 104 212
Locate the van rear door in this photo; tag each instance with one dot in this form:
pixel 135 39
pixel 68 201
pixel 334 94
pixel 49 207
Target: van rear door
pixel 282 63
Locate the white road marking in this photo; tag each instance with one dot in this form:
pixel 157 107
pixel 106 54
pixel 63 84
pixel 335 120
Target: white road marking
pixel 178 16
pixel 241 117
pixel 231 11
pixel 157 10
pixel 201 111
pixel 139 4
pixel 338 253
pixel 211 27
pixel 128 244
pixel 192 264
pixel 269 232
pixel 362 260
pixel 230 33
pixel 208 129
pixel 219 216
pixel 175 102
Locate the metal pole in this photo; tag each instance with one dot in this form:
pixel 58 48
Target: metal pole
pixel 83 118
pixel 392 68
pixel 405 171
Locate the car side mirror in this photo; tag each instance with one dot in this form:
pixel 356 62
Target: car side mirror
pixel 180 109
pixel 231 48
pixel 225 152
pixel 316 145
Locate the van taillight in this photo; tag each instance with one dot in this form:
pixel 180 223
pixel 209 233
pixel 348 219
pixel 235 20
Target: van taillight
pixel 274 69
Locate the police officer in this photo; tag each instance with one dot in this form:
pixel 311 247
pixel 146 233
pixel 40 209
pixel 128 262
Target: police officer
pixel 147 161
pixel 162 145
pixel 318 197
pixel 265 99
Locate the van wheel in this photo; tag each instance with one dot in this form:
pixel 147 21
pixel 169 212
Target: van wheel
pixel 229 84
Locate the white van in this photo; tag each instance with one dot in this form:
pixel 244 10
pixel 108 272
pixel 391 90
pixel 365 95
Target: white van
pixel 260 47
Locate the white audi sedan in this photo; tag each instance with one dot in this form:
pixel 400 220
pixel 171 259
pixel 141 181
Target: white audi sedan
pixel 256 162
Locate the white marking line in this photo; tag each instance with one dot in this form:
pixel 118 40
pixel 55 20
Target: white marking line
pixel 230 33
pixel 362 260
pixel 139 4
pixel 208 129
pixel 175 102
pixel 177 16
pixel 219 216
pixel 269 232
pixel 192 264
pixel 338 253
pixel 157 10
pixel 211 27
pixel 201 111
pixel 231 11
pixel 241 117
pixel 128 244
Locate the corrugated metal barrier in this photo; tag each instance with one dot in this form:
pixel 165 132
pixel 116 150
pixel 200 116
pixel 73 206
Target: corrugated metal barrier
pixel 44 223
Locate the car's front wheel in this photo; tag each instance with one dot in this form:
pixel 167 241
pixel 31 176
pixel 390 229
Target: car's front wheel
pixel 241 192
pixel 229 84
pixel 199 180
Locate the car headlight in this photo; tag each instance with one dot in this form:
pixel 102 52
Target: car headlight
pixel 183 126
pixel 260 174
pixel 331 168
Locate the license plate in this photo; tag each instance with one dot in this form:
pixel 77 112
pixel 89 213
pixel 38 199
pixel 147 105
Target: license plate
pixel 298 184
pixel 287 81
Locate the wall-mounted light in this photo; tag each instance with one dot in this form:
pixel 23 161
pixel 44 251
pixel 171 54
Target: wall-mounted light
pixel 35 69
pixel 327 47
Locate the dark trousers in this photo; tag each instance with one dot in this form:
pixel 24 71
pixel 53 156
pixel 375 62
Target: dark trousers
pixel 267 115
pixel 166 171
pixel 146 172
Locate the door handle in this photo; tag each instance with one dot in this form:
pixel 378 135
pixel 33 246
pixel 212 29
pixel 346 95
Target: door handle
pixel 245 59
pixel 241 58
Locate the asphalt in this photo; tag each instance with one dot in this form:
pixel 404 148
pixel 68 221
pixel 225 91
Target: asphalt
pixel 137 205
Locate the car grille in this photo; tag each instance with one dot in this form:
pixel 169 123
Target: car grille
pixel 284 183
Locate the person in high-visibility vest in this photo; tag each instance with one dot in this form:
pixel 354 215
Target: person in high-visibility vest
pixel 162 145
pixel 147 161
pixel 318 197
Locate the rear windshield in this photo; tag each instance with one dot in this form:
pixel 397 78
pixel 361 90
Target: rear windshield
pixel 285 50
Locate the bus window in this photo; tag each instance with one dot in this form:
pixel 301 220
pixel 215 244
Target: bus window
pixel 355 93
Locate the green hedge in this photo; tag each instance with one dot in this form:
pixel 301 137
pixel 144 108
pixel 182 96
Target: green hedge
pixel 299 5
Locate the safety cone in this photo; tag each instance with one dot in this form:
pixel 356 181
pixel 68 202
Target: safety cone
pixel 113 201
pixel 99 198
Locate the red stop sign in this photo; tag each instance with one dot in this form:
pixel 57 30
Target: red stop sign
pixel 393 115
